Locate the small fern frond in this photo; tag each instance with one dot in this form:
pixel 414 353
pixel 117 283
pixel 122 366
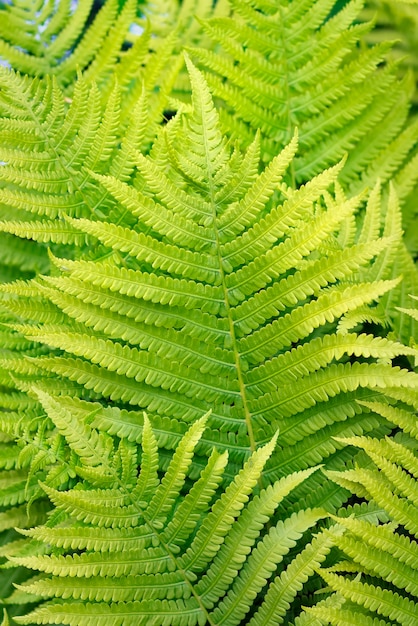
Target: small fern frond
pixel 373 598
pixel 51 144
pixel 383 558
pixel 92 450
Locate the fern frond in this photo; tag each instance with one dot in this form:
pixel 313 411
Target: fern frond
pixel 268 80
pixel 388 555
pixel 385 602
pixel 290 582
pixel 160 560
pixel 62 39
pixel 258 65
pixel 220 302
pixel 50 146
pixel 186 279
pixel 383 557
pixel 92 451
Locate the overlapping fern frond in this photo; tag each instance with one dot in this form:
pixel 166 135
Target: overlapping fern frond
pixel 283 65
pixel 47 38
pixel 399 21
pixel 149 262
pixel 292 64
pixel 396 21
pixel 50 142
pixel 123 549
pixel 220 289
pixel 48 145
pixel 378 583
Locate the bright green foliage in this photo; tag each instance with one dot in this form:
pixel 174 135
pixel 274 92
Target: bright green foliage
pixel 398 21
pixel 216 269
pixel 172 243
pixel 124 550
pixel 36 38
pixel 49 145
pixel 285 65
pixel 288 64
pixel 379 579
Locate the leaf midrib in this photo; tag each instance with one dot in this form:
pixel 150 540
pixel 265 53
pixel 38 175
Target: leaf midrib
pixel 234 342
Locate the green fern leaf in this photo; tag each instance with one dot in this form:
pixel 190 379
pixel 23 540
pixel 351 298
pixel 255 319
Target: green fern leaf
pixel 92 451
pixel 383 556
pixel 151 560
pixel 188 280
pixel 233 288
pixel 258 65
pixel 57 40
pixel 265 75
pixel 374 598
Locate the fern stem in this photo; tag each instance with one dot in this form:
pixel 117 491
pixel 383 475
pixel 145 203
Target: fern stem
pixel 237 356
pixel 212 200
pixel 233 337
pixel 240 376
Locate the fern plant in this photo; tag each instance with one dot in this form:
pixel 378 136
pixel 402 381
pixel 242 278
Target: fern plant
pixel 190 277
pixel 286 64
pixel 153 264
pixel 399 22
pixel 43 39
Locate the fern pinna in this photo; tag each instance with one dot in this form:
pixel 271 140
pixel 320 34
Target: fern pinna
pixel 173 273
